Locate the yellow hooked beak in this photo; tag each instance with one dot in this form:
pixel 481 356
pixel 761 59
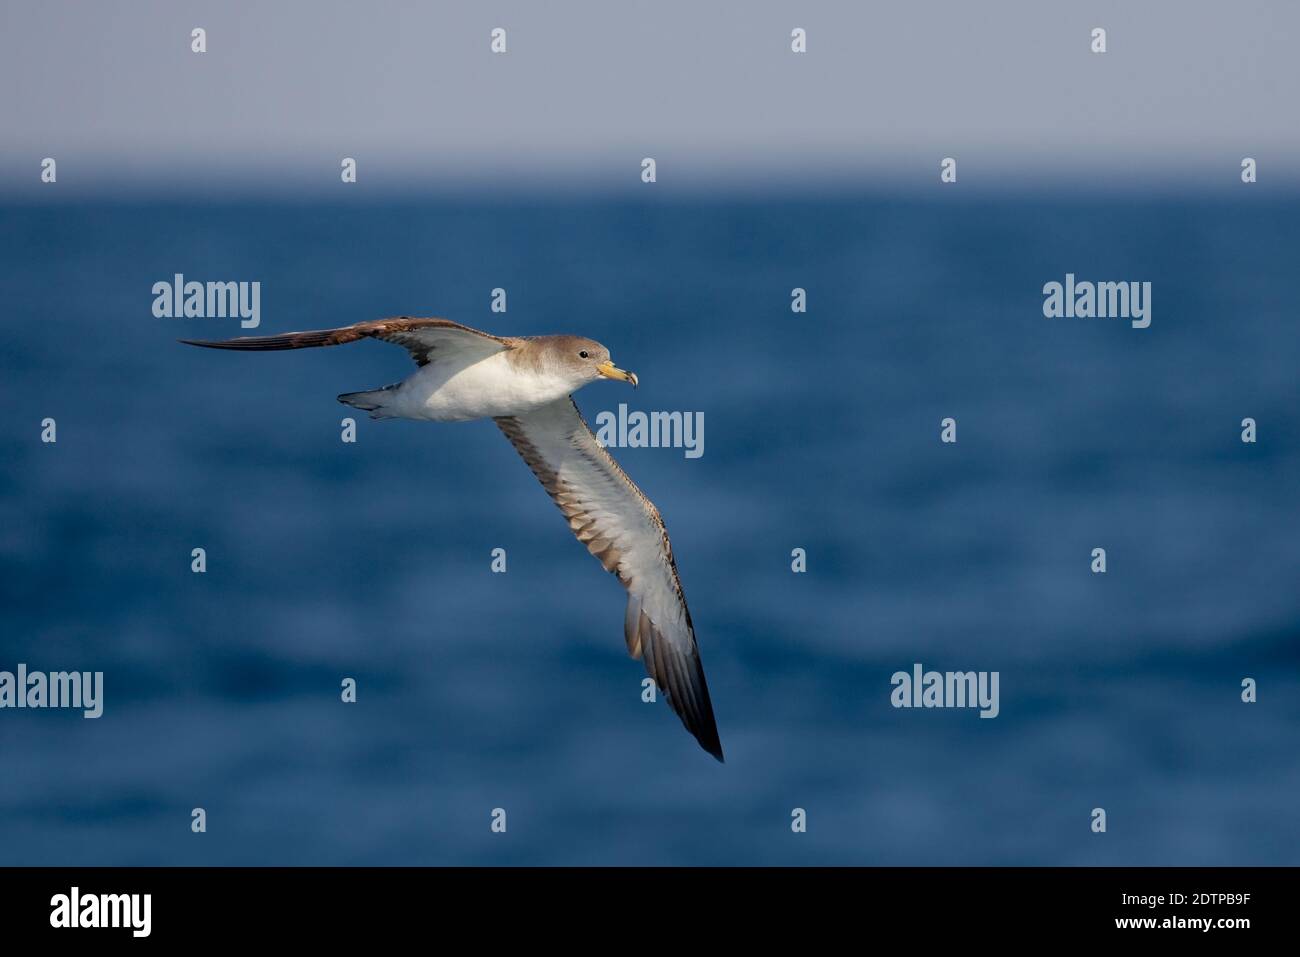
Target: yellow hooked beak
pixel 611 371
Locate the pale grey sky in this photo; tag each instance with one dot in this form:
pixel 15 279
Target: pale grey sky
pixel 711 89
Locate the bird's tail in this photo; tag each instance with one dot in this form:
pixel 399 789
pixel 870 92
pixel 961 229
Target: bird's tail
pixel 372 401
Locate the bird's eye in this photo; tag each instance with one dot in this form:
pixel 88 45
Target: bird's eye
pixel 583 354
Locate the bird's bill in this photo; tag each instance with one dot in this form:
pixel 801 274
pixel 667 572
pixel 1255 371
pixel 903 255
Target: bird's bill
pixel 611 371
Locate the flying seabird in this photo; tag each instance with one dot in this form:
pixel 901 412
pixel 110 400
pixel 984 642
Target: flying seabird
pixel 525 385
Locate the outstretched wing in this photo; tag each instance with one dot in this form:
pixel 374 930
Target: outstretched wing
pixel 622 528
pixel 424 339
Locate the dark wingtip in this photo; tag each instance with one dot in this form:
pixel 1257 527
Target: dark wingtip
pixel 712 744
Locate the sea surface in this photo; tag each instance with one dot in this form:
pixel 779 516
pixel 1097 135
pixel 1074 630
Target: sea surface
pixel 476 691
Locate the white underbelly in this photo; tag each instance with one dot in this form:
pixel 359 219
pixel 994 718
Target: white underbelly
pixel 486 389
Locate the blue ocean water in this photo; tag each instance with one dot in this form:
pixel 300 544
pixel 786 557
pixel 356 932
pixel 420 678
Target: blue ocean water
pixel 479 691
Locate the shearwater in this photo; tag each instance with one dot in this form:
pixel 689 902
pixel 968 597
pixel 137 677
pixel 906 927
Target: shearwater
pixel 525 386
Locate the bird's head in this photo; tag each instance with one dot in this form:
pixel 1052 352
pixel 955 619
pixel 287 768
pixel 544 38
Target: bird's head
pixel 585 360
